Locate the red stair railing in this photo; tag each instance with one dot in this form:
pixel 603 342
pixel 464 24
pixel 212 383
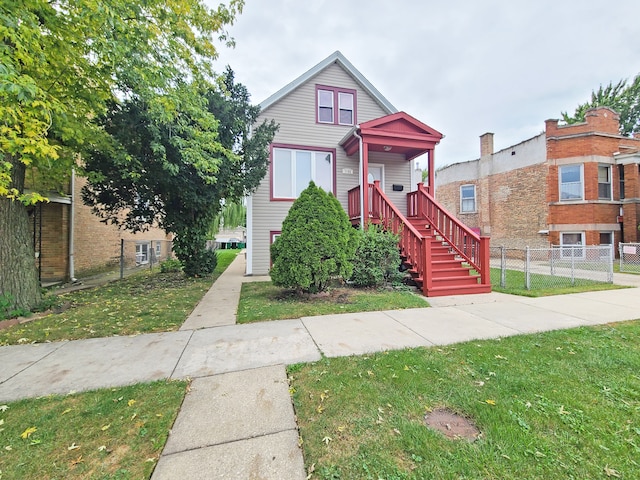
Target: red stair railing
pixel 474 249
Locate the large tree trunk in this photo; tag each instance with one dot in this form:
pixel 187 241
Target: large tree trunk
pixel 18 271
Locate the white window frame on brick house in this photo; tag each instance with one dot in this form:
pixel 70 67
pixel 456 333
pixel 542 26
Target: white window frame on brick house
pixel 336 106
pixel 467 202
pixel 572 247
pixel 293 167
pixel 605 192
pixel 571 190
pixel 142 253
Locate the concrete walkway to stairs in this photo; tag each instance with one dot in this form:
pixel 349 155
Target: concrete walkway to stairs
pixel 237 421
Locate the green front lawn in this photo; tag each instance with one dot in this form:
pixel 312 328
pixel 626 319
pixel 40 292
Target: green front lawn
pixel 261 301
pixel 105 434
pixel 562 404
pixel 146 302
pixel 544 285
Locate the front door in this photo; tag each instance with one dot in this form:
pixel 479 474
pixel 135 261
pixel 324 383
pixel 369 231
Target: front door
pixel 376 172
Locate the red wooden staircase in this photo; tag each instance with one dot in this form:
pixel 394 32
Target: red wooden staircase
pixel 443 255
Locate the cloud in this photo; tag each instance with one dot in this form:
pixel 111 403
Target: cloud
pixel 463 67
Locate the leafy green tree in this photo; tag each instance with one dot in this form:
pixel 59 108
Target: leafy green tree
pixel 317 243
pixel 62 63
pixel 231 215
pixel 622 97
pixel 174 170
pixel 377 257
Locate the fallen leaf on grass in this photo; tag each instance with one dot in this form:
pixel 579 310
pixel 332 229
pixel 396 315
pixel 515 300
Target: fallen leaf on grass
pixel 490 402
pixel 326 440
pixel 131 402
pixel 105 427
pixel 73 446
pixel 27 433
pixel 610 472
pixel 4 408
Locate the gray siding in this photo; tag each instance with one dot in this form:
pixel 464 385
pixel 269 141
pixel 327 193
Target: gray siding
pixel 296 115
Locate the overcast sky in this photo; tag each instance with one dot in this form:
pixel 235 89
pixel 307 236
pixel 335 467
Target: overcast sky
pixel 463 67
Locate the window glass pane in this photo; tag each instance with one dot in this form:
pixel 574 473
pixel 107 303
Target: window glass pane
pixel 325 98
pixel 467 191
pixel 325 106
pixel 572 239
pixel 468 197
pixel 346 117
pixel 571 182
pixel 282 179
pixel 606 238
pixel 303 171
pixel 346 100
pixel 603 174
pixel 570 174
pixel 324 171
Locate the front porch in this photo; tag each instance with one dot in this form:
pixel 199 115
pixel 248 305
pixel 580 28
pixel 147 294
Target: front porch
pixel 442 254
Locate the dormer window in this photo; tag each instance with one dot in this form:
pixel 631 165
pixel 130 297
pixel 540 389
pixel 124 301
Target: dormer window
pixel 335 106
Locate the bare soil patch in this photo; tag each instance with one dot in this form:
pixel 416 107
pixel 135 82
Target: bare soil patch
pixel 452 425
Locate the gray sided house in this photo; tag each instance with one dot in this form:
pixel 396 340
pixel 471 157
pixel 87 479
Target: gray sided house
pixel 339 131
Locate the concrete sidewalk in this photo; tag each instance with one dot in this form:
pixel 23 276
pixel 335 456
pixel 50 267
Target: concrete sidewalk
pixel 238 420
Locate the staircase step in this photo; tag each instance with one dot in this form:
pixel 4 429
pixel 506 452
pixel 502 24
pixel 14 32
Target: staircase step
pixel 450 272
pixel 462 290
pixel 455 281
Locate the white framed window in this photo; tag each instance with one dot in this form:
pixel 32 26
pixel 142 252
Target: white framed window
pixel 604 182
pixel 467 198
pixel 158 249
pixel 572 244
pixel 325 106
pixel 335 105
pixel 142 253
pixel 571 182
pixel 294 168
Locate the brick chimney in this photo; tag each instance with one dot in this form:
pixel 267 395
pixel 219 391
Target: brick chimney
pixel 486 144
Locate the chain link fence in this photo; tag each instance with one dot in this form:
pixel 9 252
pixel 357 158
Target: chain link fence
pixel 629 257
pixel 557 266
pixel 136 254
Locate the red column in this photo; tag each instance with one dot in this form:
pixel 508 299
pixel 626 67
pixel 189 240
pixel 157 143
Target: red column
pixel 365 181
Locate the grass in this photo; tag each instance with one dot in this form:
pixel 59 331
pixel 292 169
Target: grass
pixel 544 285
pixel 104 434
pixel 260 301
pixel 146 302
pixel 562 404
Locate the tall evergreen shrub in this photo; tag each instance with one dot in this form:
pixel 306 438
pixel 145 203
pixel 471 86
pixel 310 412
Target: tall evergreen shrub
pixel 317 243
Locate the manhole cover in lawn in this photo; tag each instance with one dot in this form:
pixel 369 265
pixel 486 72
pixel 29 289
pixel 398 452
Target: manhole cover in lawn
pixel 452 424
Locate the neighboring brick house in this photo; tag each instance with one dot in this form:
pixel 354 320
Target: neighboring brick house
pixel 572 184
pixel 95 245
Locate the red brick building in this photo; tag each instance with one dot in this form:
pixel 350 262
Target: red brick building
pixel 572 184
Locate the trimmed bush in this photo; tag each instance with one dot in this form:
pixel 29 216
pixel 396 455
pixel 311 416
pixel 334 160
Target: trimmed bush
pixel 317 243
pixel 171 265
pixel 377 257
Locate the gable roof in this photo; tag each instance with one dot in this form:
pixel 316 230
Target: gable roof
pixel 339 59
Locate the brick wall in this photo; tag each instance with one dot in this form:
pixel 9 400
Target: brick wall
pixel 97 244
pixel 54 249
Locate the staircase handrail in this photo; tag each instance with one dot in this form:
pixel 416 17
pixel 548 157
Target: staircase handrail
pixel 411 240
pixel 472 247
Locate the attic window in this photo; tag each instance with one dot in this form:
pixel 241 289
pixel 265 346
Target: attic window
pixel 335 106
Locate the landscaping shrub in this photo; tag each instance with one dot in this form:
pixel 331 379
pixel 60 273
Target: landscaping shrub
pixel 377 257
pixel 317 243
pixel 171 265
pixel 201 263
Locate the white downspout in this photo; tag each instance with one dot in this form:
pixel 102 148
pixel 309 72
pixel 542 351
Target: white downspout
pixel 72 273
pixel 355 133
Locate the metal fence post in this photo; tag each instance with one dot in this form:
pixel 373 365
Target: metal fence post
pixel 611 257
pixel 527 269
pixel 503 267
pixel 573 265
pixel 121 258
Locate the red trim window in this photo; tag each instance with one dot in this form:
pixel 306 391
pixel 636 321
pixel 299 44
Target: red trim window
pixel 273 234
pixel 336 106
pixel 293 167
